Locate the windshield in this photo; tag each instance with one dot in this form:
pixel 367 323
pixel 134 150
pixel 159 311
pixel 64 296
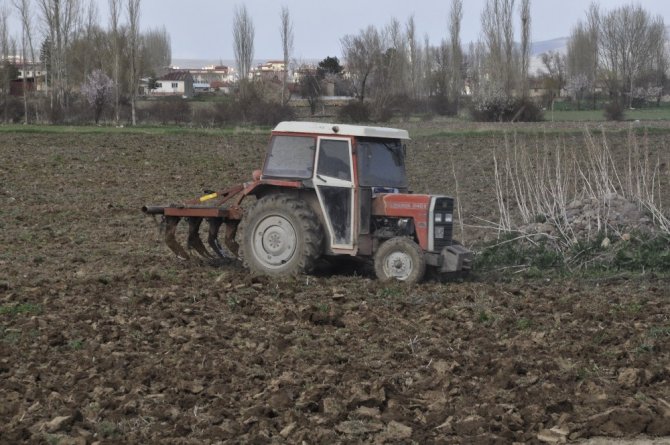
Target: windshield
pixel 290 157
pixel 381 163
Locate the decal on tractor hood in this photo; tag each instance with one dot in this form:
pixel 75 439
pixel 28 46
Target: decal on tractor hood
pixel 408 205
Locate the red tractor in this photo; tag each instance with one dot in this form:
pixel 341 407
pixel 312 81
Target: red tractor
pixel 326 190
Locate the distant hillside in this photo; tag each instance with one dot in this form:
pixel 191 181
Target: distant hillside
pixel 559 44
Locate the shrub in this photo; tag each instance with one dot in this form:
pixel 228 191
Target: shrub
pixel 234 112
pixel 204 117
pixel 528 111
pixel 642 253
pixel 385 114
pixel 78 111
pixel 441 105
pixel 354 111
pixel 426 117
pixel 269 113
pixel 14 109
pixel 403 105
pixel 614 111
pixel 504 108
pixel 226 113
pixel 169 109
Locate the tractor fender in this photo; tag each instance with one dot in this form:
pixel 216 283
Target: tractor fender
pixel 261 187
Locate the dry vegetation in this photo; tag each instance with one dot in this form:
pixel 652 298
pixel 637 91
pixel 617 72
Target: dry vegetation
pixel 104 336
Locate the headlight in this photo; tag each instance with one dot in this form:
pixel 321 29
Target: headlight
pixel 439 232
pixel 402 223
pixel 448 217
pixel 438 217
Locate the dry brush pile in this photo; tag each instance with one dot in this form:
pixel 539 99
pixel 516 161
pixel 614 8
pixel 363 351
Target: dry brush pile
pixel 565 196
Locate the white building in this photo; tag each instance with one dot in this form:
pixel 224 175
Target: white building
pixel 175 83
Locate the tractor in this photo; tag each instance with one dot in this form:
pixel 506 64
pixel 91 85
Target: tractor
pixel 325 190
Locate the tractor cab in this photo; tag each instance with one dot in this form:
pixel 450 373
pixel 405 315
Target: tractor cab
pixel 346 165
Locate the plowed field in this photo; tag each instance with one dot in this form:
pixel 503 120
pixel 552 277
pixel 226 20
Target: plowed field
pixel 106 337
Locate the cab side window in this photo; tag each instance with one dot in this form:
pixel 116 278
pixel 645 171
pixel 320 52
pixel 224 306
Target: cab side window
pixel 334 159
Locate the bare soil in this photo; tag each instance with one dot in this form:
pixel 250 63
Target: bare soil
pixel 106 337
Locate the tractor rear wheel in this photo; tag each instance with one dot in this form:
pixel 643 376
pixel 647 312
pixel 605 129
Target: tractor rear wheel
pixel 400 259
pixel 281 236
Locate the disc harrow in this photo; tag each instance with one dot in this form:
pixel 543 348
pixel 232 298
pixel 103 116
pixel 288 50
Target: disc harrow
pixel 217 208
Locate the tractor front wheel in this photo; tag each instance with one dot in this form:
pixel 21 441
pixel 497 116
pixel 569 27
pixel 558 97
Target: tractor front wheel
pixel 400 259
pixel 281 236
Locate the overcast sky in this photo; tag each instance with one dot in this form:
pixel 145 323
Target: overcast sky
pixel 202 29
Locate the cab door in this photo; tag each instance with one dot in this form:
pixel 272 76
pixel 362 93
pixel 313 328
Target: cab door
pixel 333 180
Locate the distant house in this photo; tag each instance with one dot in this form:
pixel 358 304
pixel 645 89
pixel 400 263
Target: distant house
pixel 16 86
pixel 201 87
pixel 223 87
pixel 211 73
pixel 34 76
pixel 302 71
pixel 35 73
pixel 272 70
pixel 175 83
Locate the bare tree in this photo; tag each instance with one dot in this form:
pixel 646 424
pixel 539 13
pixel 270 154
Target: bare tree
pixel 593 26
pixel 581 59
pixel 631 38
pixel 90 29
pixel 577 86
pixel 114 17
pixel 85 50
pixel 134 49
pixel 59 18
pixel 243 38
pixel 5 65
pixel 395 60
pixel 455 18
pixel 286 32
pixel 525 45
pixel 441 76
pixel 507 24
pixel 428 65
pixel 660 69
pixel 498 33
pixel 310 89
pixel 361 53
pixel 476 66
pixel 415 59
pixel 23 7
pixel 156 51
pixel 554 63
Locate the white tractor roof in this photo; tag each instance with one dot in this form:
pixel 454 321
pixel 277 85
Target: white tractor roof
pixel 323 128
